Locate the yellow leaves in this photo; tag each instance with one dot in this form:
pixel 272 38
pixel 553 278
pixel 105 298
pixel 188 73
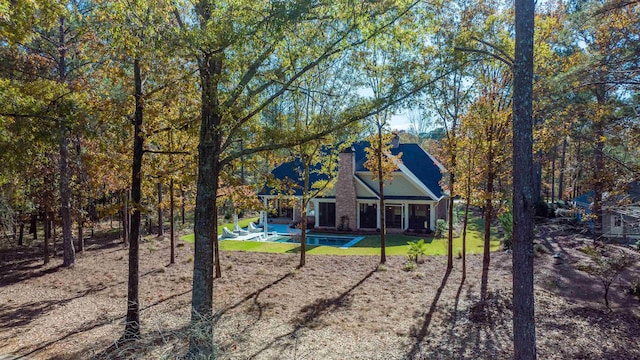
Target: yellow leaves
pixel 380 157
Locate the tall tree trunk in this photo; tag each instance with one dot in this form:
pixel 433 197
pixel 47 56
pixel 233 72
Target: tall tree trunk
pixel 80 236
pixel 172 219
pixel 15 228
pixel 132 325
pixel 598 179
pixel 69 252
pixel 206 213
pixel 54 234
pixel 125 217
pixel 47 237
pixel 21 235
pixel 303 224
pixel 562 168
pixel 553 179
pixel 464 238
pixel 466 216
pixel 537 178
pixel 578 173
pixel 160 219
pixel 488 217
pixel 451 196
pixel 383 215
pixel 172 223
pixel 182 205
pixel 524 334
pixel 33 227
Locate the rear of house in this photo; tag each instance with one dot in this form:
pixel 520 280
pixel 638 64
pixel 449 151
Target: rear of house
pixel 414 199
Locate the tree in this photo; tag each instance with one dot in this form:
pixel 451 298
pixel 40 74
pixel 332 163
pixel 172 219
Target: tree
pixel 137 32
pixel 314 105
pixel 53 38
pixel 524 336
pixel 605 268
pixel 242 69
pixel 382 164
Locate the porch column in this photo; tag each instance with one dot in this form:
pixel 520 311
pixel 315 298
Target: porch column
pixel 406 216
pixel 432 209
pixel 378 216
pixel 316 213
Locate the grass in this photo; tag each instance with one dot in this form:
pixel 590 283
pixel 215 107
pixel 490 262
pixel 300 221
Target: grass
pixel 396 244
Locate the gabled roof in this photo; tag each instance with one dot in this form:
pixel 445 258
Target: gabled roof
pixel 422 166
pixel 415 158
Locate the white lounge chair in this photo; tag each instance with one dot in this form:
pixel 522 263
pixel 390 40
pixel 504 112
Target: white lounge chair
pixel 252 228
pixel 226 234
pixel 239 230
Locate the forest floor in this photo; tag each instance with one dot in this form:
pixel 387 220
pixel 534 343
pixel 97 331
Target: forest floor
pixel 337 307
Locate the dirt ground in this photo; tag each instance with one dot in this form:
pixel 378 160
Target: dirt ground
pixel 337 307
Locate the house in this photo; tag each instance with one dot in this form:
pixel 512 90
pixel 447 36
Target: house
pixel 413 200
pixel 620 213
pixel 621 216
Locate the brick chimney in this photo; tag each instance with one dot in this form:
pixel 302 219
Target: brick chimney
pixel 395 141
pixel 346 216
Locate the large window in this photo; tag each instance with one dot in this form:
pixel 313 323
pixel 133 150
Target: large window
pixel 327 214
pixel 393 216
pixel 368 216
pixel 419 216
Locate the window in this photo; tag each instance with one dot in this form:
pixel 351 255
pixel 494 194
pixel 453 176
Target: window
pixel 327 214
pixel 617 220
pixel 368 216
pixel 393 216
pixel 419 216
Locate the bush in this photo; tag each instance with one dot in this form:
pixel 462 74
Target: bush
pixel 409 266
pixel 634 289
pixel 506 221
pixel 381 267
pixel 539 249
pixel 441 227
pixel 416 248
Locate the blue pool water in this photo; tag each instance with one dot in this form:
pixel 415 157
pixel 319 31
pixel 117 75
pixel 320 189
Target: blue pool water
pixel 326 240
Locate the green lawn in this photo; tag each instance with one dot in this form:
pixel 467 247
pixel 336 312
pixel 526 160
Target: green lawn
pixel 370 245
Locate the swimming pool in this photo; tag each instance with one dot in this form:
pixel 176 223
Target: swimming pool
pixel 343 242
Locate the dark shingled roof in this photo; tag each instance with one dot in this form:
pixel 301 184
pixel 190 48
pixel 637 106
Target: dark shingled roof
pixel 413 157
pixel 292 171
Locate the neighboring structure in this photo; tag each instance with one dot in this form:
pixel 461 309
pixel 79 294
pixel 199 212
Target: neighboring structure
pixel 413 200
pixel 620 214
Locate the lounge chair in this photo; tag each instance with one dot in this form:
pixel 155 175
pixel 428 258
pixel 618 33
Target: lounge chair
pixel 226 234
pixel 252 228
pixel 239 230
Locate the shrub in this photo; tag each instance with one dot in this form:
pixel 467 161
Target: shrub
pixel 634 289
pixel 506 221
pixel 409 266
pixel 416 248
pixel 441 227
pixel 539 249
pixel 381 267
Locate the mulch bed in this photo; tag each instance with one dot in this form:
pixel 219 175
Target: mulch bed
pixel 337 307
